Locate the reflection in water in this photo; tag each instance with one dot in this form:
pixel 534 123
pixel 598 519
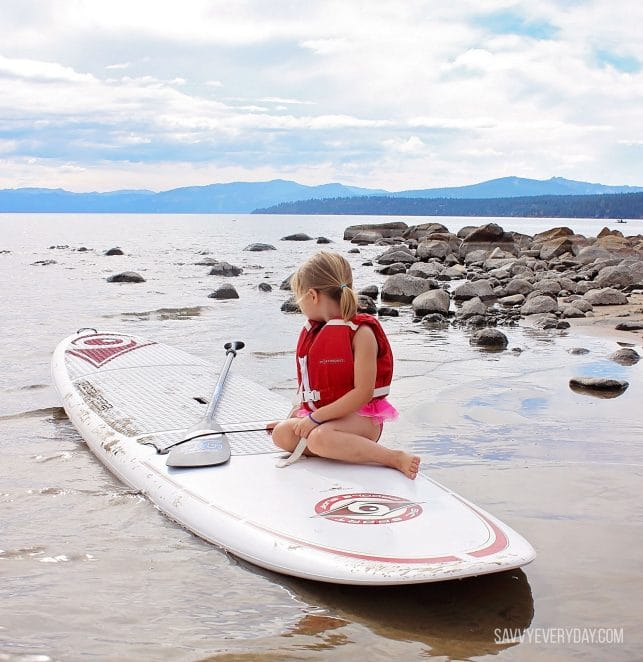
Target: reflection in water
pixel 602 394
pixel 458 619
pixel 161 314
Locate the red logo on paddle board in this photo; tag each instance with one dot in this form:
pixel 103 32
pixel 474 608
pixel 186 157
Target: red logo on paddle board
pixel 367 508
pixel 100 348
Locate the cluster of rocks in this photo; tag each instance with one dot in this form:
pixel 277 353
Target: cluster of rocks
pixel 554 275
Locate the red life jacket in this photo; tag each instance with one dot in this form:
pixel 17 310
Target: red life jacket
pixel 325 364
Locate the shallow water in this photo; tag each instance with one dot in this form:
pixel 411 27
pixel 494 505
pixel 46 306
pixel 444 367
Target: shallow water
pixel 91 569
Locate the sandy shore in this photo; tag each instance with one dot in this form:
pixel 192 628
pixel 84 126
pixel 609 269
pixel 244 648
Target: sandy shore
pixel 606 318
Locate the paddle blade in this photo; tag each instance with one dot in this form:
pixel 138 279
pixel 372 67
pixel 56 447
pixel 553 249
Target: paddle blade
pixel 200 452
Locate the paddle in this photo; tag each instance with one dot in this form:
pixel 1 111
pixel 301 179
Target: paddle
pixel 205 443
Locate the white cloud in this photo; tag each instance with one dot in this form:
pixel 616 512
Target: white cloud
pixel 415 92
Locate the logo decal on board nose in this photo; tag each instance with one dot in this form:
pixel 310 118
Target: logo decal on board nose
pixel 367 508
pixel 100 348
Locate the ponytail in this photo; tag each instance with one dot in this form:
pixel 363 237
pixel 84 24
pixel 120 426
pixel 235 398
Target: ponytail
pixel 347 302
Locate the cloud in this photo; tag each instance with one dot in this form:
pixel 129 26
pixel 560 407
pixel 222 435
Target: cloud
pixel 419 92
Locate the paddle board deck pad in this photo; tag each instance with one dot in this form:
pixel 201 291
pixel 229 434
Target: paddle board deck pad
pixel 131 398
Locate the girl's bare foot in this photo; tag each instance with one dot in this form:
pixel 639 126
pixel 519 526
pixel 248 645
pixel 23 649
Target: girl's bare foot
pixel 408 464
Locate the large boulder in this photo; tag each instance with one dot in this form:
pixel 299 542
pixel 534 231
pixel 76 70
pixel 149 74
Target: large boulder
pixel 392 229
pixel 539 304
pixel 420 232
pixel 426 269
pixel 298 236
pixel 518 286
pixel 490 232
pixel 555 248
pixel 433 301
pixel 402 287
pixel 607 296
pixel 397 254
pixel 480 288
pixel 589 254
pixel 366 237
pixel 472 307
pixel 553 233
pixel 430 248
pixel 547 286
pixel 627 275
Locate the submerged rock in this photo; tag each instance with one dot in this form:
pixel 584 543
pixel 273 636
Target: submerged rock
pixel 225 269
pixel 489 338
pixel 625 356
pixel 226 291
pixel 259 247
pixel 264 287
pixel 126 277
pixel 324 240
pixel 599 386
pixel 629 326
pixel 387 311
pixel 298 236
pixel 114 251
pixel 290 306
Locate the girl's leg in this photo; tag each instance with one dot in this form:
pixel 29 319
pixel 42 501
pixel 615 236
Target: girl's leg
pixel 353 439
pixel 284 436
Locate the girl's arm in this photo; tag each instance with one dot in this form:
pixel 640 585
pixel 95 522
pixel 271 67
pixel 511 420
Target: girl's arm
pixel 365 372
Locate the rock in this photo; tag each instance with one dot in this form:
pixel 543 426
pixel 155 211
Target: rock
pixel 545 320
pixel 539 304
pixel 469 290
pixel 324 240
pixel 547 286
pixel 392 229
pixel 285 283
pixel 354 250
pixel 5 252
pixel 472 307
pixel 60 248
pixel 578 351
pixel 429 248
pixel 225 291
pixel 114 251
pixel 625 356
pixel 366 305
pixel 490 232
pixel 475 255
pixel 397 254
pixel 433 301
pixel 512 300
pixel 225 269
pixel 554 233
pixel 298 236
pixel 628 274
pixel 402 287
pixel 43 263
pixel 365 238
pixel 570 311
pixel 562 324
pixel 454 272
pixel 489 338
pixel 370 291
pixel 259 247
pixel 433 320
pixel 420 232
pixel 629 326
pixel 391 269
pixel 368 263
pixel 555 248
pixel 607 296
pixel 589 254
pixel 464 232
pixel 425 269
pixel 126 277
pixel 598 384
pixel 387 311
pixel 264 287
pixel 290 306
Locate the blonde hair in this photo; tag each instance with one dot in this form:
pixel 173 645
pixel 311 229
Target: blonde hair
pixel 331 274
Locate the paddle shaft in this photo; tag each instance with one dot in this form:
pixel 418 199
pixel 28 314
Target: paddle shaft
pixel 218 389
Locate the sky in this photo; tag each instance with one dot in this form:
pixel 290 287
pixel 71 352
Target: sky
pixel 157 94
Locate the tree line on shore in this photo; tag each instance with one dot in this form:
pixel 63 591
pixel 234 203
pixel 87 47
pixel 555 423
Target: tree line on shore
pixel 619 205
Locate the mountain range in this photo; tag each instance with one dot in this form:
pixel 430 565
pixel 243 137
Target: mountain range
pixel 245 197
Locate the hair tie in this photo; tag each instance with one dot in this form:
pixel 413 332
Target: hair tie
pixel 342 286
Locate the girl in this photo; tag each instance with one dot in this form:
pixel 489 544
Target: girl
pixel 344 368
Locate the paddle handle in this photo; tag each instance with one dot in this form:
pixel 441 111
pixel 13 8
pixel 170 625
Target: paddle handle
pixel 231 351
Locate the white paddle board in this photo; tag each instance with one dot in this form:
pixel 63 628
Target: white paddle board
pixel 318 519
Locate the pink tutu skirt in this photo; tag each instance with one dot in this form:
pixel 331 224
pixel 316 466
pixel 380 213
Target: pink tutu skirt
pixel 381 410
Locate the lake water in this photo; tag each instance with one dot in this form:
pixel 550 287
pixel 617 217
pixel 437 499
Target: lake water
pixel 91 570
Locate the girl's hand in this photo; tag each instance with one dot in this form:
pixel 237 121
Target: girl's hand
pixel 303 427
